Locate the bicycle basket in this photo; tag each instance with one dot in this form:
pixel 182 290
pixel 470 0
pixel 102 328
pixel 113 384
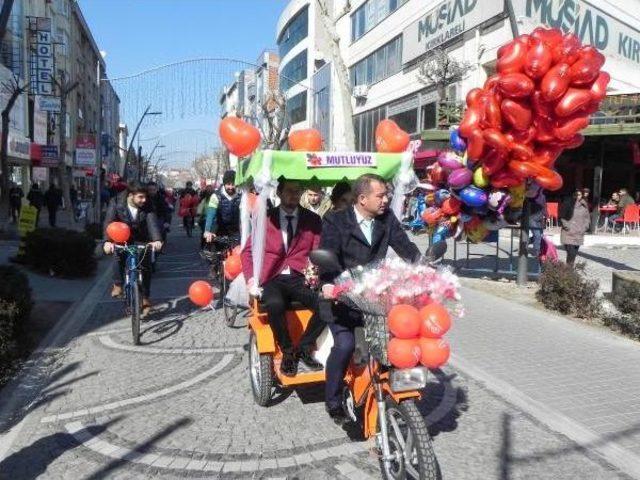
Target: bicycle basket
pixel 376 331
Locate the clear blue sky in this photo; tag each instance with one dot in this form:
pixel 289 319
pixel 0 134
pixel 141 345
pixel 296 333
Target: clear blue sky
pixel 141 34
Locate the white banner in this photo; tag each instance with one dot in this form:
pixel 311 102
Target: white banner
pixel 40 121
pixel 448 20
pixel 341 160
pixel 49 104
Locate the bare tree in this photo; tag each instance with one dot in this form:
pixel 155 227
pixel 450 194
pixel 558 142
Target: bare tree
pixel 341 69
pixel 440 69
pixel 275 127
pixel 210 165
pixel 13 90
pixel 5 13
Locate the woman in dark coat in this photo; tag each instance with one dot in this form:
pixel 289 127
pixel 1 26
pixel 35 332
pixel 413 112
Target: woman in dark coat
pixel 575 221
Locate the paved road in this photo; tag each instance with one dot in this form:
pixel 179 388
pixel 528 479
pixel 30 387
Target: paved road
pixel 180 406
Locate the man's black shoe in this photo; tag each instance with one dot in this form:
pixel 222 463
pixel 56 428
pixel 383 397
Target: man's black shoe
pixel 337 415
pixel 305 357
pixel 289 365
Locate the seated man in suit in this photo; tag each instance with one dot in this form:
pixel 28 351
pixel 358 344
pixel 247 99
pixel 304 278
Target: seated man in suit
pixel 358 235
pixel 292 232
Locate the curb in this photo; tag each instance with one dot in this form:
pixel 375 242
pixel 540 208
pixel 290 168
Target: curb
pixel 23 389
pixel 617 456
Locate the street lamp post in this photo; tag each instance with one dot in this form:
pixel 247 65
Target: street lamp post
pixel 135 132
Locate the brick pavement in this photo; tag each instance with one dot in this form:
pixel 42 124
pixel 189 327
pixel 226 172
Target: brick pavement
pixel 179 406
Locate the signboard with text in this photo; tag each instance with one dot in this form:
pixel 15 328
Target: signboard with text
pixel 49 104
pixel 446 21
pixel 341 160
pixel 40 123
pixel 85 150
pixel 41 55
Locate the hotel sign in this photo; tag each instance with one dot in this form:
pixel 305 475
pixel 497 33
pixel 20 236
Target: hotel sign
pixel 41 55
pixel 445 22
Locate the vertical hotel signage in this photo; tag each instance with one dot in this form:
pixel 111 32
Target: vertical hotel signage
pixel 41 55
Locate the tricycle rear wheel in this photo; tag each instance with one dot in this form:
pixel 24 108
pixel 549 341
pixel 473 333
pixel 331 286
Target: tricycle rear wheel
pixel 261 373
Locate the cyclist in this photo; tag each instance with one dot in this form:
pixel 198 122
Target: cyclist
pixel 142 221
pixel 188 204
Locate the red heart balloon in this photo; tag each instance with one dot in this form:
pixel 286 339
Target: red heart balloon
pixel 474 95
pixel 470 121
pixel 555 82
pixel 240 138
pixel 525 169
pixel 496 140
pixel 511 57
pixel 516 113
pixel 567 51
pixel 549 179
pixel 520 151
pixel 547 156
pixel 538 59
pixel 390 138
pixel 515 85
pixel 599 87
pixel 566 130
pixel 492 116
pixel 307 140
pixel 573 101
pixel 475 144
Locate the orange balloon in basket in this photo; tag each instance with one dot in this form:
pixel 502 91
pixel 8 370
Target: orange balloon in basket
pixel 434 352
pixel 403 353
pixel 240 138
pixel 307 140
pixel 232 267
pixel 390 138
pixel 435 320
pixel 404 321
pixel 237 250
pixel 201 293
pixel 118 232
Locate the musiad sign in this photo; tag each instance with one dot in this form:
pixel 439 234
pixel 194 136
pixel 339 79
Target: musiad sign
pixel 592 25
pixel 445 22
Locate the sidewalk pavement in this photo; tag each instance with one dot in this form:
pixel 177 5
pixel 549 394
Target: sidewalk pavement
pixel 580 380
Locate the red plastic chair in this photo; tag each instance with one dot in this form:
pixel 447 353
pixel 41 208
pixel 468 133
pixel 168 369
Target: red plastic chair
pixel 552 213
pixel 631 216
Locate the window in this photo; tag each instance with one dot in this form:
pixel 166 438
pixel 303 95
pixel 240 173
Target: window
pixel 295 71
pixel 365 125
pixel 428 113
pixel 371 14
pixel 381 64
pixel 296 31
pixel 297 108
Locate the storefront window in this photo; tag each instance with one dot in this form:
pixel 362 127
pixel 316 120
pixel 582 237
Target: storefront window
pixel 381 64
pixel 295 71
pixel 407 121
pixel 297 108
pixel 294 33
pixel 370 14
pixel 428 114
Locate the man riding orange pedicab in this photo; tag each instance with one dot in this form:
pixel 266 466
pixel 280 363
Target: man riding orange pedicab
pixel 358 235
pixel 292 233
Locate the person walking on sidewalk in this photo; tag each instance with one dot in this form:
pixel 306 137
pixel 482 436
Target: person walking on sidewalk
pixel 53 200
pixel 36 200
pixel 574 220
pixel 15 201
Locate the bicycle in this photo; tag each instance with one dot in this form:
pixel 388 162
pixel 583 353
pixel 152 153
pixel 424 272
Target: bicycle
pixel 223 246
pixel 133 283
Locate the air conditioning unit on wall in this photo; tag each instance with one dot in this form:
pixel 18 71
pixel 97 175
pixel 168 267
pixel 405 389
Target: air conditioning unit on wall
pixel 360 91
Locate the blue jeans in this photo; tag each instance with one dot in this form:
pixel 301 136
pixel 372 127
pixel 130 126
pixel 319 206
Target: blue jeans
pixel 536 233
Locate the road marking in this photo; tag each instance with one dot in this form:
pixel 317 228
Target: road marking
pixel 165 461
pixel 352 472
pixel 223 363
pixel 110 343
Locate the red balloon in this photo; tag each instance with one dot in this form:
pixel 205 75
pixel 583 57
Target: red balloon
pixel 587 68
pixel 435 320
pixel 567 129
pixel 307 140
pixel 491 84
pixel 474 95
pixel 404 321
pixel 551 36
pixel 549 179
pixel 492 162
pixel 470 121
pixel 432 216
pixel 589 51
pixel 451 206
pixel 522 136
pixel 555 82
pixel 515 85
pixel 511 57
pixel 541 107
pixel 240 138
pixel 232 267
pixel 201 293
pixel 573 101
pixel 496 140
pixel 544 130
pixel 522 152
pixel 567 51
pixel 403 353
pixel 237 250
pixel 434 352
pixel 475 144
pixel 390 138
pixel 599 87
pixel 538 59
pixel 505 179
pixel 574 142
pixel 546 156
pixel 524 169
pixel 516 113
pixel 492 115
pixel 118 232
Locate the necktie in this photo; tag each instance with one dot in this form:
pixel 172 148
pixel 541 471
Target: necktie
pixel 289 231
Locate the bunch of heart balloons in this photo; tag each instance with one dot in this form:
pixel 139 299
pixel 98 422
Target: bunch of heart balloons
pixel 417 336
pixel 513 130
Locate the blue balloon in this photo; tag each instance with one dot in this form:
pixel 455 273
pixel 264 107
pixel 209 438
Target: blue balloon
pixel 441 234
pixel 441 195
pixel 473 196
pixel 456 142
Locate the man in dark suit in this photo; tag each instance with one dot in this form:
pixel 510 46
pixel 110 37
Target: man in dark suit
pixel 142 220
pixel 358 235
pixel 292 232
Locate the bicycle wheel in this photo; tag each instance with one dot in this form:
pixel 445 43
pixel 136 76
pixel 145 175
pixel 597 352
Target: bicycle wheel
pixel 135 313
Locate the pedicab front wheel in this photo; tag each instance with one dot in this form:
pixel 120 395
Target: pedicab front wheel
pixel 410 444
pixel 261 371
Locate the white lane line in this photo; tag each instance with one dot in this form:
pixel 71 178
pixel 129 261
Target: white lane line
pixel 352 472
pixel 170 462
pixel 224 362
pixel 110 343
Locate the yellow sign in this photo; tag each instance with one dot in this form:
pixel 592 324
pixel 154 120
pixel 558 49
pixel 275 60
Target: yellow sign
pixel 27 220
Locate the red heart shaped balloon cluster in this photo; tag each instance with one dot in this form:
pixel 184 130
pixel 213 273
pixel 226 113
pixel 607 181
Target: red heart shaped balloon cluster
pixel 546 86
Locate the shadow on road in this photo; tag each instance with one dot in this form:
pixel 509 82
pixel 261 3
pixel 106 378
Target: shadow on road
pixel 32 461
pixel 606 262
